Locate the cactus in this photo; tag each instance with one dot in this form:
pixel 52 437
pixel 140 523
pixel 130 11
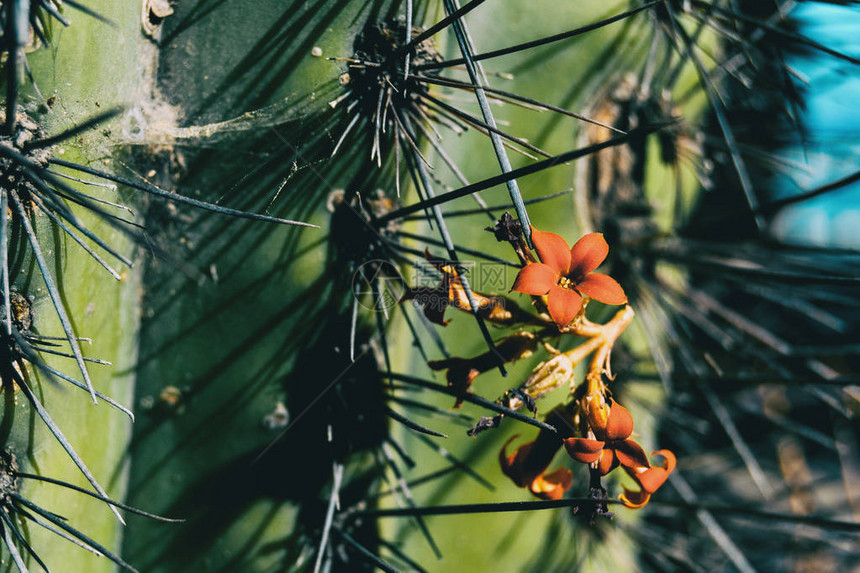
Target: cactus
pixel 306 399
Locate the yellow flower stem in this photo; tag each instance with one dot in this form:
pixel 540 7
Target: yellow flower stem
pixel 601 339
pixel 578 354
pixel 551 374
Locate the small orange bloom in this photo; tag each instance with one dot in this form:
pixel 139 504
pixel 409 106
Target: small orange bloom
pixel 523 466
pixel 565 274
pixel 649 478
pixel 613 445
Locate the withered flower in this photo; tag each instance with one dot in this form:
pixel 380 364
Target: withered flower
pixel 527 465
pixel 450 292
pixel 463 371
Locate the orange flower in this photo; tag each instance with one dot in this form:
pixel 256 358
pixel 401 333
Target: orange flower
pixel 565 274
pixel 527 467
pixel 524 465
pixel 649 478
pixel 613 445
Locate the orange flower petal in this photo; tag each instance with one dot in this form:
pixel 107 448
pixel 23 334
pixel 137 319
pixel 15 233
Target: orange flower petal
pixel 669 461
pixel 457 294
pixel 563 305
pixel 552 251
pixel 536 279
pixel 630 454
pixel 513 465
pixel 608 461
pixel 619 424
pixel 583 450
pixel 634 499
pixel 603 288
pixel 652 478
pixel 586 255
pixel 552 485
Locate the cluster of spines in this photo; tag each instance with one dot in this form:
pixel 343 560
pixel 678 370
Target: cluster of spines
pixel 670 312
pixel 36 181
pixel 662 304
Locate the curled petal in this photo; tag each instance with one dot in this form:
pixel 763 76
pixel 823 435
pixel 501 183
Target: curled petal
pixel 649 479
pixel 603 288
pixel 669 460
pixel 552 485
pixel 630 454
pixel 563 305
pixel 457 295
pixel 536 279
pixel 513 465
pixel 586 255
pixel 583 450
pixel 634 499
pixel 552 251
pixel 619 424
pixel 652 478
pixel 608 461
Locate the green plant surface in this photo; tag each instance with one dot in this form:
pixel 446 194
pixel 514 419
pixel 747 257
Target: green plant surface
pixel 218 60
pixel 269 304
pixel 90 68
pixel 255 300
pixel 265 416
